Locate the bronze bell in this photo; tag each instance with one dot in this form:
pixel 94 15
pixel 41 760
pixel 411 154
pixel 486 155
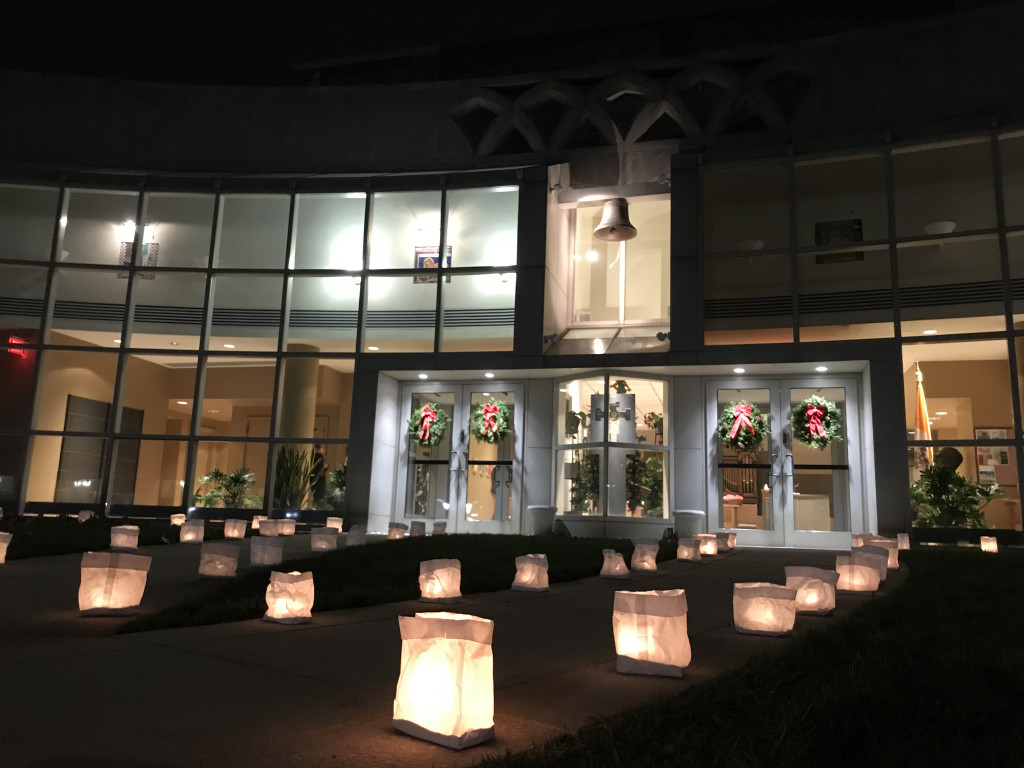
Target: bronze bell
pixel 615 226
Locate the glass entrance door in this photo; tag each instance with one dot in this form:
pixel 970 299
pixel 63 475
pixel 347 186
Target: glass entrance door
pixel 470 480
pixel 783 491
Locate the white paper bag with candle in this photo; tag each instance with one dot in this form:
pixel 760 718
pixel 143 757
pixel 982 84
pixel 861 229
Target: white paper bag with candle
pixel 614 565
pixel 290 597
pixel 440 580
pixel 531 573
pixel 760 608
pixel 645 555
pixel 815 589
pixel 112 583
pixel 219 559
pixel 650 632
pixel 445 691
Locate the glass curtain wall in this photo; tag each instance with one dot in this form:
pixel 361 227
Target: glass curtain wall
pixel 187 342
pixel 923 243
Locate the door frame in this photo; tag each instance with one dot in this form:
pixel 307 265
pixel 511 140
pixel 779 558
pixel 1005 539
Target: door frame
pixel 458 454
pixel 783 532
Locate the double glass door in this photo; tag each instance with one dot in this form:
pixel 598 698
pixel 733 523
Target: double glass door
pixel 470 482
pixel 782 491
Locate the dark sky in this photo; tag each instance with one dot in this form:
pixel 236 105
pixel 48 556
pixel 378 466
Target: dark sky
pixel 258 42
pixel 233 41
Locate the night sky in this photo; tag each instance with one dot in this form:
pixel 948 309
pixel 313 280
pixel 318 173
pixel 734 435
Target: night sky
pixel 233 42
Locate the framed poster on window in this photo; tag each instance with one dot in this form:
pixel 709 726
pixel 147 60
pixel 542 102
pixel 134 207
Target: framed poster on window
pixel 991 456
pixel 426 258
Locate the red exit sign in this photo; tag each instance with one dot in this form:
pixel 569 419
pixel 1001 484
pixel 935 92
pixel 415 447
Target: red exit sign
pixel 14 341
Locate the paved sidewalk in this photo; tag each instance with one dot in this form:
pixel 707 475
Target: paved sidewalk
pixel 259 694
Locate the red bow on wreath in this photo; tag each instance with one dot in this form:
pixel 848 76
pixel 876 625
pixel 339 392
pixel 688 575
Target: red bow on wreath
pixel 490 411
pixel 427 417
pixel 742 413
pixel 814 425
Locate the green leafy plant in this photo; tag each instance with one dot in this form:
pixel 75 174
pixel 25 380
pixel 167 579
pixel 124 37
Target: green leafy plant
pixel 942 498
pixel 644 478
pixel 337 482
pixel 294 473
pixel 573 421
pixel 228 490
pixel 586 483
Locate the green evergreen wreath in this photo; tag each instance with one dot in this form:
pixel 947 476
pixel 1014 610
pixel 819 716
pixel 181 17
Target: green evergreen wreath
pixel 742 426
pixel 816 421
pixel 432 431
pixel 491 422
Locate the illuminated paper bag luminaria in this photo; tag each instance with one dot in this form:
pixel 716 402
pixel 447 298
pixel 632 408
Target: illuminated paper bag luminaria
pixel 760 608
pixel 286 527
pixel 876 557
pixel 856 576
pixel 192 531
pixel 178 519
pixel 440 580
pixel 892 550
pixel 903 540
pixel 219 559
pixel 726 540
pixel 815 589
pixel 337 523
pixel 112 583
pixel 650 632
pixel 440 528
pixel 531 573
pixel 356 535
pixel 5 541
pixel 989 544
pixel 645 555
pixel 124 537
pixel 614 566
pixel 235 529
pixel 417 528
pixel 265 550
pixel 323 539
pixel 270 527
pixel 445 691
pixel 257 520
pixel 290 597
pixel 708 543
pixel 397 530
pixel 688 549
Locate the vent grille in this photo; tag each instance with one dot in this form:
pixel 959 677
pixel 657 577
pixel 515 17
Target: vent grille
pixel 467 318
pixel 150 313
pixel 88 310
pixel 23 307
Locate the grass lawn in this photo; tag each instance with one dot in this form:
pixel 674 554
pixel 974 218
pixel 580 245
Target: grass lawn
pixel 931 675
pixel 388 571
pixel 43 536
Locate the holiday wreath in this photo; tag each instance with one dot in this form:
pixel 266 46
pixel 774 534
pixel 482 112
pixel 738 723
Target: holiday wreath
pixel 742 426
pixel 428 424
pixel 491 421
pixel 816 421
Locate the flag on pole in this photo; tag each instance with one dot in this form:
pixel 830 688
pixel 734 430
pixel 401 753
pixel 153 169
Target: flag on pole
pixel 923 457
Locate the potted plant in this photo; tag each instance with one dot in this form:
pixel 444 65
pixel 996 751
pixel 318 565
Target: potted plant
pixel 228 490
pixel 943 498
pixel 654 421
pixel 294 473
pixel 337 481
pixel 947 504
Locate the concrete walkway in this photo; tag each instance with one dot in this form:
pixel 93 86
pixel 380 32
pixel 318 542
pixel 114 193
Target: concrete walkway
pixel 260 694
